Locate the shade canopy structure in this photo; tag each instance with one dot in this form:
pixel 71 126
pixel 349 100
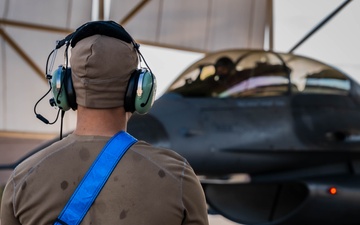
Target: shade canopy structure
pixel 201 26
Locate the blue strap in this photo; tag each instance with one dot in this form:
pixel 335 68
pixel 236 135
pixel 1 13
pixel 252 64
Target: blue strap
pixel 95 178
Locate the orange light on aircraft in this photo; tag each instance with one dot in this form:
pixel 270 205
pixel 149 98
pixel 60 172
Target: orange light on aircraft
pixel 333 190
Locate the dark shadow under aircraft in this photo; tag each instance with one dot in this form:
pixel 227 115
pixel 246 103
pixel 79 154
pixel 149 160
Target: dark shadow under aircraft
pixel 274 137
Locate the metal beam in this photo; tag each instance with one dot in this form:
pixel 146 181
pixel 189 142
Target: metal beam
pixel 34 26
pixel 27 135
pixel 22 54
pixel 101 9
pixel 320 25
pixel 19 50
pixel 136 9
pixel 174 47
pixel 270 24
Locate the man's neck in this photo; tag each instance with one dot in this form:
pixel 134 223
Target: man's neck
pixel 100 122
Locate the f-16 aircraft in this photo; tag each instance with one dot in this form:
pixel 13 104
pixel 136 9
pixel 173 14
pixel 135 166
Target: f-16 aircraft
pixel 275 140
pixel 274 137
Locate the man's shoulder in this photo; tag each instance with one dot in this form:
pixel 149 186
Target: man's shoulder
pixel 163 158
pixel 149 150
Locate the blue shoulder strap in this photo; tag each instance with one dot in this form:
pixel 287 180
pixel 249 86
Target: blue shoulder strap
pixel 94 180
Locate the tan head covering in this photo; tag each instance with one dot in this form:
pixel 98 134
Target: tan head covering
pixel 101 67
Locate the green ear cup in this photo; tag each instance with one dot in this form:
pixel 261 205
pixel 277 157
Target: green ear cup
pixel 58 90
pixel 145 93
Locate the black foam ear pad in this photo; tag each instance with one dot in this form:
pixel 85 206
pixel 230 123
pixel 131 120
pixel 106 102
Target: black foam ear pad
pixel 129 101
pixel 69 89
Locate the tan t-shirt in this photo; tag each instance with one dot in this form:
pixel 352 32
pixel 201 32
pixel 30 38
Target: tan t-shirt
pixel 149 186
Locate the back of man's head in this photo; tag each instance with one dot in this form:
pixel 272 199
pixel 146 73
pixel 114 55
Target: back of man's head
pixel 101 68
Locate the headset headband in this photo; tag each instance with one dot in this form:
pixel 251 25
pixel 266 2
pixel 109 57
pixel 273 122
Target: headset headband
pixel 108 28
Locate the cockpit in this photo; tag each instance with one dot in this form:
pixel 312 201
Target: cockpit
pixel 257 73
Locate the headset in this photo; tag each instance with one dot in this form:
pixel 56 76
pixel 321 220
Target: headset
pixel 141 89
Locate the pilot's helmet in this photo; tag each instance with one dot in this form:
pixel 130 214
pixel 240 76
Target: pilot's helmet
pixel 224 61
pixel 223 67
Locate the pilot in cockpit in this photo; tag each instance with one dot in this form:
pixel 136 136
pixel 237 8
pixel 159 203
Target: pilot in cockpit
pixel 224 67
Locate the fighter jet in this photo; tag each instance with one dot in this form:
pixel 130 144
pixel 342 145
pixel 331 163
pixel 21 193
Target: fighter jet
pixel 274 137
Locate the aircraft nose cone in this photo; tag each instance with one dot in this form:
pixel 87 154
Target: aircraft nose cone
pixel 149 129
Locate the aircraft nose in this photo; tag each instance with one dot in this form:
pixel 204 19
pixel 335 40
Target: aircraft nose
pixel 148 128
